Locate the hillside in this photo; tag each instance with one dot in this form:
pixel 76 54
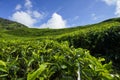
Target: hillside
pixel 28 32
pixel 30 53
pixel 10 25
pixel 101 38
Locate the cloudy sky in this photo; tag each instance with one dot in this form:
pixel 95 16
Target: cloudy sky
pixel 59 13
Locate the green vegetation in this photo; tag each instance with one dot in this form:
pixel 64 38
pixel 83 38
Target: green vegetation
pixel 90 52
pixel 10 25
pixel 50 60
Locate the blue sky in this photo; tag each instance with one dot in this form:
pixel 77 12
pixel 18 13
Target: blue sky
pixel 58 13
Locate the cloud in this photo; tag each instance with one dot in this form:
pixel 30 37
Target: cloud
pixel 24 18
pixel 55 22
pixel 28 4
pixel 28 16
pixel 110 2
pixel 118 8
pixel 18 7
pixel 36 14
pixel 94 17
pixel 116 3
pixel 76 17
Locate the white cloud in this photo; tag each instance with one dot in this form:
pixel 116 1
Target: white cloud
pixel 24 18
pixel 37 14
pixel 27 17
pixel 55 22
pixel 116 3
pixel 28 4
pixel 110 2
pixel 118 8
pixel 18 7
pixel 76 17
pixel 94 17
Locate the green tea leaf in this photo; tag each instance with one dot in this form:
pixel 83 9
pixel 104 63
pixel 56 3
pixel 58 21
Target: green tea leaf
pixel 35 74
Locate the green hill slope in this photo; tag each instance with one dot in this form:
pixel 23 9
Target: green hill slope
pixel 28 32
pixel 102 39
pixel 10 25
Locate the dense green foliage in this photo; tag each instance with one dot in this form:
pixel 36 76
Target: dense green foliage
pixel 49 60
pixel 60 54
pixel 101 41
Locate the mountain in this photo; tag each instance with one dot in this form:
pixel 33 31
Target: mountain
pixel 10 25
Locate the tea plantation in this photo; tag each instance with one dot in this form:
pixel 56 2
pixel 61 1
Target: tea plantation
pixel 90 52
